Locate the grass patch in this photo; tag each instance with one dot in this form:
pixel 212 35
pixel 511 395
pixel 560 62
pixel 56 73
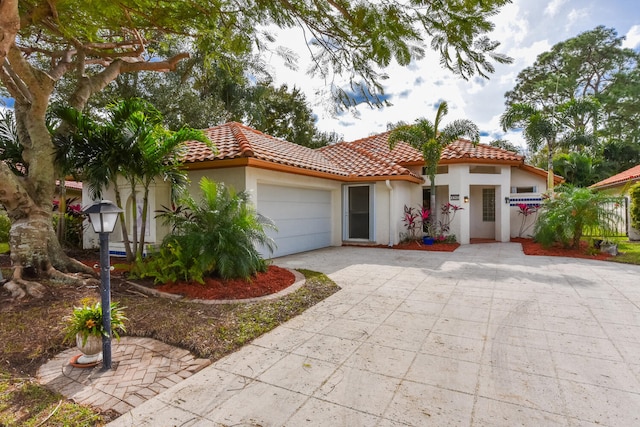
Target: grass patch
pixel 24 402
pixel 4 248
pixel 629 251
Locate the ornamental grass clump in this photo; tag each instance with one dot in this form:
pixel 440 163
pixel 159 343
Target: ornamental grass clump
pixel 87 320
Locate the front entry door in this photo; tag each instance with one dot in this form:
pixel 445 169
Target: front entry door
pixel 358 216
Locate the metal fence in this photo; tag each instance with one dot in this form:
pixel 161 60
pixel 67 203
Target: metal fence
pixel 617 222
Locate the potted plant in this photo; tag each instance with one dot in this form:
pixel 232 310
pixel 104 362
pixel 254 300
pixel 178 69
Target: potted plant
pixel 85 326
pixel 428 236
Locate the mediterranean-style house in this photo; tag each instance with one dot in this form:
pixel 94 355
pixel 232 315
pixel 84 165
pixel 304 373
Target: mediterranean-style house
pixel 619 185
pixel 354 192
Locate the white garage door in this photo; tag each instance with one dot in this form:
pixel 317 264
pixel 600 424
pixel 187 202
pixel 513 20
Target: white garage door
pixel 303 218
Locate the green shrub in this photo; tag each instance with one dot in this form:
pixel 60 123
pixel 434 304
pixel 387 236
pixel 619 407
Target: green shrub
pixel 634 193
pixel 216 236
pixel 567 212
pixel 5 226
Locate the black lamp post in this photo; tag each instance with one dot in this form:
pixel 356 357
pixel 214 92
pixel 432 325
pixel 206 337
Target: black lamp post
pixel 103 216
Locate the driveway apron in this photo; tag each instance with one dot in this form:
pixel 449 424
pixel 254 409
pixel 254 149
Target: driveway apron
pixel 483 336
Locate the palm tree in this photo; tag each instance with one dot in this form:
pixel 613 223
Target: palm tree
pixel 119 146
pixel 539 128
pixel 571 123
pixel 426 136
pixel 158 156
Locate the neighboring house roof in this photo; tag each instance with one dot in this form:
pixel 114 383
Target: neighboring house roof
pixel 73 185
pixel 363 159
pixel 630 175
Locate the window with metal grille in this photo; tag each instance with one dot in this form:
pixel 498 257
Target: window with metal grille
pixel 488 204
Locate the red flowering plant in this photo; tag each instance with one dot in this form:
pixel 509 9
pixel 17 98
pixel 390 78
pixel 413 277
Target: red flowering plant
pixel 416 219
pixel 526 210
pixel 411 220
pixel 447 214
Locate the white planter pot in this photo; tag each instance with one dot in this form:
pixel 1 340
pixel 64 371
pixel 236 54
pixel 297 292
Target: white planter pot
pixel 91 350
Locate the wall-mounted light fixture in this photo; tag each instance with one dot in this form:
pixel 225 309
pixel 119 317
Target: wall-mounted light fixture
pixel 466 199
pixel 506 200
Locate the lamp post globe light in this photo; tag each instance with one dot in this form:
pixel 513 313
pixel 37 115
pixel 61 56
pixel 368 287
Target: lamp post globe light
pixel 103 216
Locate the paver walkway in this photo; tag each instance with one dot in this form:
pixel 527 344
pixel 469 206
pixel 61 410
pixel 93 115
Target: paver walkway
pixel 143 368
pixel 484 336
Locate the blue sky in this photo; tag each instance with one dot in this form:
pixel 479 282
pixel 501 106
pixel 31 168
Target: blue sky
pixel 525 28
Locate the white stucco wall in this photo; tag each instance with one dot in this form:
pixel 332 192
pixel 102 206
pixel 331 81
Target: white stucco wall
pixel 159 196
pixel 460 182
pixel 389 218
pixel 521 178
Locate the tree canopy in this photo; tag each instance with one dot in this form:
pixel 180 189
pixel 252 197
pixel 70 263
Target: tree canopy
pixel 588 87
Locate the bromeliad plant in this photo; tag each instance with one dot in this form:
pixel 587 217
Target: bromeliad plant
pixel 87 320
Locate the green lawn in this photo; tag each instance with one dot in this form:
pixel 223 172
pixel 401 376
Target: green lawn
pixel 629 251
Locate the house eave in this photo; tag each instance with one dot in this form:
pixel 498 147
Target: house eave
pixel 278 167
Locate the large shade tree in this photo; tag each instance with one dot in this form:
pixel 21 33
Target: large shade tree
pixel 42 41
pixel 430 138
pixel 593 83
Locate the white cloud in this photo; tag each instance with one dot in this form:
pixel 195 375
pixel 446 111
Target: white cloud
pixel 511 26
pixel 553 7
pixel 526 55
pixel 576 16
pixel 632 37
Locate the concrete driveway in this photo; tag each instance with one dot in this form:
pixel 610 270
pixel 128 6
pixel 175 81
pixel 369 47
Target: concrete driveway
pixel 484 336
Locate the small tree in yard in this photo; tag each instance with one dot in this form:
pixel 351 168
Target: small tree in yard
pixel 566 213
pixel 215 236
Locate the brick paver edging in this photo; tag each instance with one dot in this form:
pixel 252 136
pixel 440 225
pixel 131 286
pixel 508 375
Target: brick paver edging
pixel 142 368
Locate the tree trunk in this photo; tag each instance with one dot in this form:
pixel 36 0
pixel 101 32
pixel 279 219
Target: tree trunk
pixel 143 226
pixel 62 210
pixel 35 250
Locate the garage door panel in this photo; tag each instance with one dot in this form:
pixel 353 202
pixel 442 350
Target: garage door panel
pixel 302 216
pixel 292 210
pixel 302 227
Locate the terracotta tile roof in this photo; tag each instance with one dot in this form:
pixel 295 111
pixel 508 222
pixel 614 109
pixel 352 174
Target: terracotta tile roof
pixel 366 157
pixel 632 174
pixel 361 162
pixel 463 149
pixel 234 140
pixel 402 153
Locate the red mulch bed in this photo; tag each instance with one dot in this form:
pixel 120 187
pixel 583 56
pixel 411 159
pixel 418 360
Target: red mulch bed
pixel 436 247
pixel 585 251
pixel 417 246
pixel 273 280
